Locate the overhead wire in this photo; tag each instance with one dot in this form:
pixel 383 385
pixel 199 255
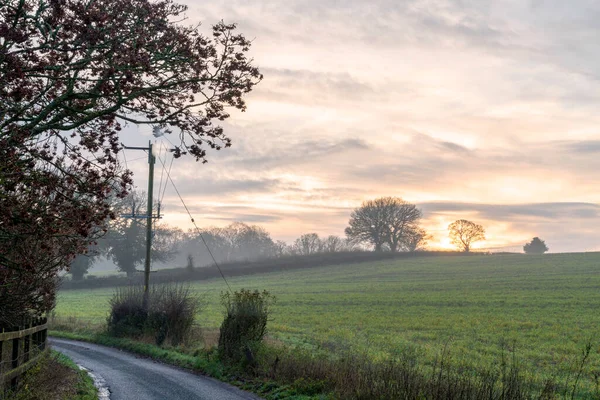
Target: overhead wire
pixel 160 149
pixel 137 159
pixel 125 158
pixel 161 196
pixel 196 226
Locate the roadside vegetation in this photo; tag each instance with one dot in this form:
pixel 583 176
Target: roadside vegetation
pixel 55 377
pixel 520 323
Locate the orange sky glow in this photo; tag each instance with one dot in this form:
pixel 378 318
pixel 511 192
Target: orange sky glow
pixel 486 111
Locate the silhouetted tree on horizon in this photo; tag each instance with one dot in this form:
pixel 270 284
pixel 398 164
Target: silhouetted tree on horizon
pixel 415 239
pixel 386 220
pixel 464 233
pixel 536 246
pixel 307 244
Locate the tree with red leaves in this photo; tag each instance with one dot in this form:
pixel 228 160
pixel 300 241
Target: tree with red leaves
pixel 72 73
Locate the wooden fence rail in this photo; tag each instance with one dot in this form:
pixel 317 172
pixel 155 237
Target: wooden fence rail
pixel 20 348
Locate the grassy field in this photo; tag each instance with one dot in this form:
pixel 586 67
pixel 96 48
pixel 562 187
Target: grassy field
pixel 544 307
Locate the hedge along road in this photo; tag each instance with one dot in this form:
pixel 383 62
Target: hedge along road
pixel 129 377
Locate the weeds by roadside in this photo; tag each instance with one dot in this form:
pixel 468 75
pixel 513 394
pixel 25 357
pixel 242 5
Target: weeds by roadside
pixel 169 315
pixel 55 377
pixel 281 372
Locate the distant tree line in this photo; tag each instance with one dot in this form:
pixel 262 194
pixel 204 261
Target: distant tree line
pixel 386 224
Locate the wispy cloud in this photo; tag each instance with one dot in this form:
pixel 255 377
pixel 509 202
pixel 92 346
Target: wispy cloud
pixel 486 110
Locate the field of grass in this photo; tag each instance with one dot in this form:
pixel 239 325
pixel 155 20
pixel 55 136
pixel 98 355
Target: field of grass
pixel 545 307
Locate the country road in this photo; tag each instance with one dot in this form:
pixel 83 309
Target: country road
pixel 129 377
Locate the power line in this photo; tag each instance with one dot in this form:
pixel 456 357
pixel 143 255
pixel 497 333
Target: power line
pixel 164 189
pixel 125 158
pixel 139 158
pixel 196 226
pixel 161 197
pixel 162 172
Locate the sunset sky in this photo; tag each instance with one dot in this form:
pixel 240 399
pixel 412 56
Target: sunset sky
pixel 484 110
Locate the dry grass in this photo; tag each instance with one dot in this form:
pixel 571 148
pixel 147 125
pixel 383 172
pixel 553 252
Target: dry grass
pixel 74 324
pixel 49 380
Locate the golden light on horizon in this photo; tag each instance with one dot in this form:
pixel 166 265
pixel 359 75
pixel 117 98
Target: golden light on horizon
pixel 467 129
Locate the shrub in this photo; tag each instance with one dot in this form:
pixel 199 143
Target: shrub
pixel 169 315
pixel 244 325
pixel 172 311
pixel 127 315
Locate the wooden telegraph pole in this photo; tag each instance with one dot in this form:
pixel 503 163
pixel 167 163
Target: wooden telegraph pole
pixel 149 217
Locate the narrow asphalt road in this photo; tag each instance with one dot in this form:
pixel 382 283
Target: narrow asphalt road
pixel 130 377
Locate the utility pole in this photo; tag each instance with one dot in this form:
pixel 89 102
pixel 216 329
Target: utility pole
pixel 151 161
pixel 149 217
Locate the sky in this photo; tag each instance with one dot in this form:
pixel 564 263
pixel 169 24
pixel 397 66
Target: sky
pixel 482 110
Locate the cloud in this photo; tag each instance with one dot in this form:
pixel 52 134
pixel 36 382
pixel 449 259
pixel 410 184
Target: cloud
pixel 539 211
pixel 276 153
pixel 481 109
pixel 584 147
pixel 223 186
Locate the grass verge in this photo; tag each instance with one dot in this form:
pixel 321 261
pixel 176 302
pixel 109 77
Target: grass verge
pixel 56 377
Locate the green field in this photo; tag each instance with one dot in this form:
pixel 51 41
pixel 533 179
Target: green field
pixel 546 307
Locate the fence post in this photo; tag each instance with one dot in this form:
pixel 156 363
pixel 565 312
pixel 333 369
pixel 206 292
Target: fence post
pixel 26 340
pixel 15 361
pixel 33 333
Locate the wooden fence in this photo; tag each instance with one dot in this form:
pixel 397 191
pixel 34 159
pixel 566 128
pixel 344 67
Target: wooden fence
pixel 20 348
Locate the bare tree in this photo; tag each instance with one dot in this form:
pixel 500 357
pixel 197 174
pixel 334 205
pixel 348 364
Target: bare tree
pixel 307 244
pixel 464 233
pixel 333 244
pixel 387 220
pixel 235 242
pixel 281 248
pixel 415 239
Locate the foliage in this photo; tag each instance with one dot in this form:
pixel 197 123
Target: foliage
pixel 170 314
pixel 536 246
pixel 45 221
pixel 245 323
pixel 387 221
pixel 127 314
pixel 71 72
pixel 80 266
pixel 83 262
pixel 464 233
pixel 125 241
